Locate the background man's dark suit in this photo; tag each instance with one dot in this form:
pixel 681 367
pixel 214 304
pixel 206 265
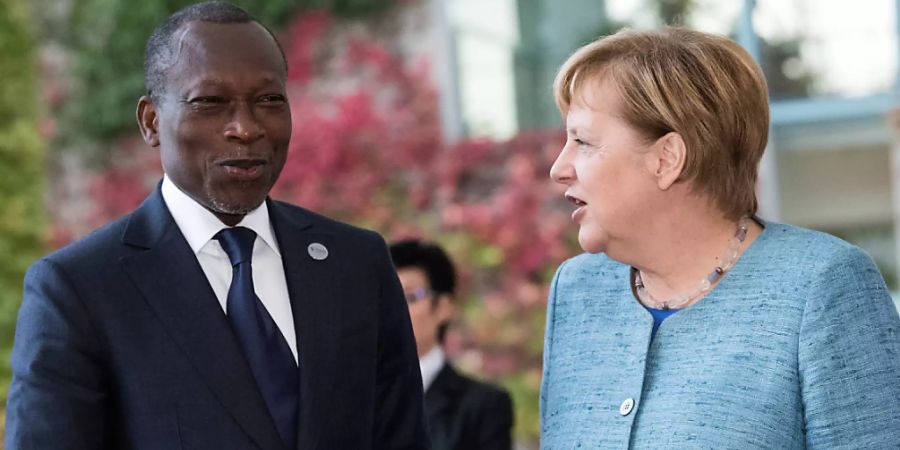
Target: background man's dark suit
pixel 463 413
pixel 125 321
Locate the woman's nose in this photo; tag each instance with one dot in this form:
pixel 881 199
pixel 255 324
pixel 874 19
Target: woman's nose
pixel 562 170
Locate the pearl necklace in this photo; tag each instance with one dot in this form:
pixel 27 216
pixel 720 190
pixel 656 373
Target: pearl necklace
pixel 705 285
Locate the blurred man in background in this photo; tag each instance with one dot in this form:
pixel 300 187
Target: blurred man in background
pixel 461 413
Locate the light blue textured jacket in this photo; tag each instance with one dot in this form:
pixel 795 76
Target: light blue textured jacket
pixel 798 347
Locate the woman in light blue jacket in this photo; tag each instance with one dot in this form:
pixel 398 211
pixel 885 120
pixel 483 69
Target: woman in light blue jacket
pixel 690 322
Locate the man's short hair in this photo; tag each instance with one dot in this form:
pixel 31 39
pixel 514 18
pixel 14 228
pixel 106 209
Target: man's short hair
pixel 161 51
pixel 703 86
pixel 431 259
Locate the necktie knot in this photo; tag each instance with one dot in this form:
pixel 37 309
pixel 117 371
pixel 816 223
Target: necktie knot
pixel 237 243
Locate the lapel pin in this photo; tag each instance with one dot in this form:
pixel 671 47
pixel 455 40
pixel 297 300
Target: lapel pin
pixel 317 251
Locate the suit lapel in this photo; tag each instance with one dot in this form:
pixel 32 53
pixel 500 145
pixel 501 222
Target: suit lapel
pixel 442 401
pixel 313 290
pixel 443 394
pixel 171 280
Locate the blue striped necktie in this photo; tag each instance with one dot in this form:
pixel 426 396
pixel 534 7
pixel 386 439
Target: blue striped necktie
pixel 264 346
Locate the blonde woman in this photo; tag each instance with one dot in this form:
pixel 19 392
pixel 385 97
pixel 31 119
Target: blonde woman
pixel 690 322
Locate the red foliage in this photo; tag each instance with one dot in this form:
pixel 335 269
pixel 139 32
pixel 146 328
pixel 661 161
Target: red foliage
pixel 132 171
pixel 303 34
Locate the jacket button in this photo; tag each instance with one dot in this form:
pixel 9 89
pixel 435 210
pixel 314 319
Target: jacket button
pixel 626 406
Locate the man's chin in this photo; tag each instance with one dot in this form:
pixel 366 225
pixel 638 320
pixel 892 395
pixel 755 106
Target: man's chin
pixel 234 208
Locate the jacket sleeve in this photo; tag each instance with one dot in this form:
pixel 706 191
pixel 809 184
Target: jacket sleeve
pixel 546 396
pixel 399 418
pixel 849 357
pixel 58 397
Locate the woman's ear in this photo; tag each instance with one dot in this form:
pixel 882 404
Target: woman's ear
pixel 148 121
pixel 666 159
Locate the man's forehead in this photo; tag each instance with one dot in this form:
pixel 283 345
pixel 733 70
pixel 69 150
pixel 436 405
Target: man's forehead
pixel 202 34
pixel 201 45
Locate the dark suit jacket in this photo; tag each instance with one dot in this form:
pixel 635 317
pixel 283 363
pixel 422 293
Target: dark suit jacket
pixel 464 414
pixel 121 344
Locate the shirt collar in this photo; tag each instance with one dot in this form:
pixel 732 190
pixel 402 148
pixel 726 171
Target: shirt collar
pixel 199 225
pixel 431 364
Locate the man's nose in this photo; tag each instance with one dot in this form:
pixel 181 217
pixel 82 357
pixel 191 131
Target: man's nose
pixel 244 125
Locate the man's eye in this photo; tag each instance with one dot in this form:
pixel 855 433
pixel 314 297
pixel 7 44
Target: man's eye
pixel 209 100
pixel 273 99
pixel 580 142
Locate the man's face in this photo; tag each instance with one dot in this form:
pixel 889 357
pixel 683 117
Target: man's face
pixel 426 312
pixel 223 122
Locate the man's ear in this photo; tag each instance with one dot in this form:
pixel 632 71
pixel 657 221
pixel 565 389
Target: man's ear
pixel 446 307
pixel 666 159
pixel 148 121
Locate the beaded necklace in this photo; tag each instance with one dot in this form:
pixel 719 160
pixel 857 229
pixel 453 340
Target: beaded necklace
pixel 705 285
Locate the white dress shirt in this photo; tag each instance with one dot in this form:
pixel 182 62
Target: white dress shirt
pixel 199 225
pixel 431 365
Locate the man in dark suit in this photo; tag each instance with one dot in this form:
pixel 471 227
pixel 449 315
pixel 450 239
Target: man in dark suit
pixel 155 332
pixel 461 413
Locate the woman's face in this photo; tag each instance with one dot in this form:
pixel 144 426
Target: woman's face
pixel 607 169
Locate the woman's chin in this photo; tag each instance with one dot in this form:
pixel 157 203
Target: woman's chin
pixel 591 241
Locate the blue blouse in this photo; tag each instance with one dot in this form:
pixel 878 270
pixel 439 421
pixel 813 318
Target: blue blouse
pixel 798 347
pixel 658 316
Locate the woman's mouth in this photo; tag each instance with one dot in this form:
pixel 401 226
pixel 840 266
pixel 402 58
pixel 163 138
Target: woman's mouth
pixel 581 206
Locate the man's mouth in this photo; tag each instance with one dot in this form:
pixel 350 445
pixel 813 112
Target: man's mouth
pixel 242 163
pixel 244 169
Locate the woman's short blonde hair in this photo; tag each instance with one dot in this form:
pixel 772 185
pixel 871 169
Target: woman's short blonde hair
pixel 704 87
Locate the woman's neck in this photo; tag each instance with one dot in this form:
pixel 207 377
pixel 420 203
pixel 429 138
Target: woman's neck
pixel 678 253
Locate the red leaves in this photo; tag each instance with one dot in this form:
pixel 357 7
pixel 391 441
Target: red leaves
pixel 302 38
pixel 132 172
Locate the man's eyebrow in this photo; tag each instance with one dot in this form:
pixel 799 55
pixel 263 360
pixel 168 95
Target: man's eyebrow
pixel 212 82
pixel 269 79
pixel 214 79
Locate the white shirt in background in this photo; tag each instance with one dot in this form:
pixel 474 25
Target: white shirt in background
pixel 431 364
